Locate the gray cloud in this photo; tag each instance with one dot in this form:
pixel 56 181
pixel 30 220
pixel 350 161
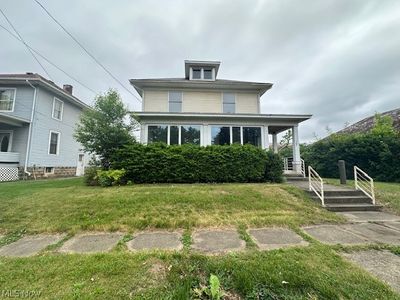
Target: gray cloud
pixel 336 59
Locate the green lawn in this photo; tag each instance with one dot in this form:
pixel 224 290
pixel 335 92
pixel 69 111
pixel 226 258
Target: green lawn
pixel 312 272
pixel 387 193
pixel 70 206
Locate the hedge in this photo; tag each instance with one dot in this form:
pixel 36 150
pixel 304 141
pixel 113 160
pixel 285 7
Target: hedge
pixel 160 163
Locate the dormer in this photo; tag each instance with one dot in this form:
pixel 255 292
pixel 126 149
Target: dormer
pixel 201 70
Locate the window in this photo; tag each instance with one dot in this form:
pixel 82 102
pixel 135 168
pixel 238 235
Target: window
pixel 228 103
pixel 196 74
pixel 174 135
pixel 7 99
pixel 5 140
pixel 58 107
pixel 175 101
pixel 236 135
pixel 208 74
pixel 252 135
pixel 220 135
pixel 190 134
pixel 157 134
pixel 49 170
pixel 54 142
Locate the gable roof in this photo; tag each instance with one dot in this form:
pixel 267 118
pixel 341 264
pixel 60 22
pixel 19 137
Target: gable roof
pixel 218 84
pixel 38 79
pixel 368 123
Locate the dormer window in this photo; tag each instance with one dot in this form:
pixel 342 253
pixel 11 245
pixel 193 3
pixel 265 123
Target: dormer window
pixel 198 73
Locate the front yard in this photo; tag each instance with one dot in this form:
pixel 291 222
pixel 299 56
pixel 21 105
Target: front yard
pixel 315 271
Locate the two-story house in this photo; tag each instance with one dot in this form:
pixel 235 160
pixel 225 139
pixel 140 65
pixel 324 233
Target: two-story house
pixel 204 110
pixel 37 121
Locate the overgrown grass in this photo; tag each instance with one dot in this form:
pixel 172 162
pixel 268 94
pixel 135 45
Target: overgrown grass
pixel 314 272
pixel 69 205
pixel 387 193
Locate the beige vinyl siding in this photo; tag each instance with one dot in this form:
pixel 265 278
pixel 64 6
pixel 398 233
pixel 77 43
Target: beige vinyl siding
pixel 247 103
pixel 202 102
pixel 156 101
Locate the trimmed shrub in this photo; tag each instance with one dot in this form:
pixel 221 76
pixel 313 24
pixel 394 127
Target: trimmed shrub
pixel 110 177
pixel 274 167
pixel 160 163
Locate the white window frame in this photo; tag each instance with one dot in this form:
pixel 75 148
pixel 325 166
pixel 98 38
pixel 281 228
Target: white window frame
pixel 231 132
pixel 11 132
pixel 62 109
pixel 58 143
pixel 179 125
pixel 222 102
pixel 15 97
pixel 202 73
pixel 175 102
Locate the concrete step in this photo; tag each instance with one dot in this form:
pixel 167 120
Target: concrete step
pixel 296 178
pixel 353 207
pixel 344 199
pixel 335 193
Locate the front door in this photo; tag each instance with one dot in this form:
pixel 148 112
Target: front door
pixel 80 168
pixel 5 141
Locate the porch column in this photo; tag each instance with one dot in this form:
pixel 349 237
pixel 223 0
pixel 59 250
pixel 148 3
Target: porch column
pixel 296 149
pixel 265 138
pixel 275 142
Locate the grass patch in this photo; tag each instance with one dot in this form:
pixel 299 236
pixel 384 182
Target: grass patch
pixel 314 272
pixel 386 193
pixel 70 206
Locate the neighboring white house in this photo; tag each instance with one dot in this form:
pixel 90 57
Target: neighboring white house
pixel 37 121
pixel 203 110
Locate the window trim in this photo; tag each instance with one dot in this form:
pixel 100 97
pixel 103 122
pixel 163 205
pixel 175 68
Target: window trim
pixel 15 97
pixel 222 102
pixel 202 73
pixel 11 132
pixel 231 132
pixel 169 101
pixel 48 173
pixel 58 143
pixel 62 109
pixel 179 125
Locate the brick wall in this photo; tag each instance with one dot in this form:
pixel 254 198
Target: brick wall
pixel 40 172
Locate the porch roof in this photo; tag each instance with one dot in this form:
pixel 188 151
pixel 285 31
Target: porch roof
pixel 13 120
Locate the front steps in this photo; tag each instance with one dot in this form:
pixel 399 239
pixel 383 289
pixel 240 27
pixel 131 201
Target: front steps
pixel 336 198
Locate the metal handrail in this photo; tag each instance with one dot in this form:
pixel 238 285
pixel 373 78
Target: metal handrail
pixel 316 184
pixel 364 183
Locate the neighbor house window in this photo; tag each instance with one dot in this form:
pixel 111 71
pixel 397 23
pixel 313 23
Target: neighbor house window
pixel 220 135
pixel 175 101
pixel 54 142
pixel 7 99
pixel 49 170
pixel 228 103
pixel 58 107
pixel 252 135
pixel 157 134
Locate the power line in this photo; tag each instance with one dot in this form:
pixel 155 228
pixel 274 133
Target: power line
pixel 47 60
pixel 23 41
pixel 87 51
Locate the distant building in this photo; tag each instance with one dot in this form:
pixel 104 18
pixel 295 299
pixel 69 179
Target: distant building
pixel 37 121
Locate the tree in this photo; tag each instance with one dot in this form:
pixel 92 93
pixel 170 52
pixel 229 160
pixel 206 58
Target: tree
pixel 106 127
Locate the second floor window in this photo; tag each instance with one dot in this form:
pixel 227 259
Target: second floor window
pixel 7 99
pixel 228 103
pixel 54 142
pixel 175 101
pixel 58 107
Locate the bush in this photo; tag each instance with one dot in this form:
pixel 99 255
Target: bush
pixel 189 163
pixel 274 167
pixel 110 177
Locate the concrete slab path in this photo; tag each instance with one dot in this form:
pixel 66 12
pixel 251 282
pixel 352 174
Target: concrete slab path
pixel 334 234
pixel 275 238
pixel 156 241
pixel 375 232
pixel 217 241
pixel 369 216
pixel 91 243
pixel 30 245
pixel 383 265
pixel 394 225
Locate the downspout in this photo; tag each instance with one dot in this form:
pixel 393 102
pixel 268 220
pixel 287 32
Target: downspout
pixel 28 144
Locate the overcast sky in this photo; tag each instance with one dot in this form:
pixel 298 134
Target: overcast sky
pixel 338 60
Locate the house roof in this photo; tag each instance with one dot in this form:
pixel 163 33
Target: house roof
pixel 35 78
pixel 183 83
pixel 368 123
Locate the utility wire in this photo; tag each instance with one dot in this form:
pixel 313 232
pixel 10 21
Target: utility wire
pixel 87 51
pixel 23 41
pixel 47 60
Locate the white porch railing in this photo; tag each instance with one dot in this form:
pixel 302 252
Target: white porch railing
pixel 9 157
pixel 316 184
pixel 364 183
pixel 288 165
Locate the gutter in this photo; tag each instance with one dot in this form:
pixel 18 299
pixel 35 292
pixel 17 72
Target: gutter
pixel 28 144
